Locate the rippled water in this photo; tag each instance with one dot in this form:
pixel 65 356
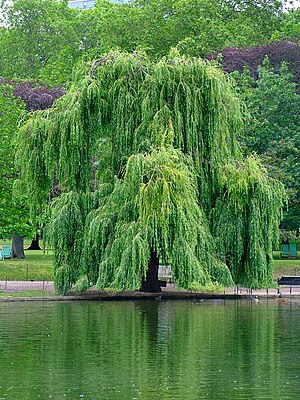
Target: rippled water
pixel 150 350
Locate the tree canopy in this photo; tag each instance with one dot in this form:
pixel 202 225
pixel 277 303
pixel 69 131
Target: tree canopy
pixel 236 59
pixel 272 129
pixel 44 39
pixel 13 212
pixel 149 167
pixel 15 98
pixel 268 82
pixel 37 40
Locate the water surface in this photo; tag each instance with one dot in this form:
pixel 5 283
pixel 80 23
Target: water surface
pixel 150 350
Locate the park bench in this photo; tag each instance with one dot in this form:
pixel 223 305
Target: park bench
pixel 6 251
pixel 165 273
pixel 288 250
pixel 292 250
pixel 284 251
pixel 288 281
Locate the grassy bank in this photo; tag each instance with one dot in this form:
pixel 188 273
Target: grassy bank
pixel 35 266
pixel 26 293
pixel 284 266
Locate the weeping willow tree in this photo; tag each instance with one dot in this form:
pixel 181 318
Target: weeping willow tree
pixel 149 170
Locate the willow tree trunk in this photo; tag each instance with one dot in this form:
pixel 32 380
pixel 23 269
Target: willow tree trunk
pixel 34 244
pixel 151 283
pixel 17 246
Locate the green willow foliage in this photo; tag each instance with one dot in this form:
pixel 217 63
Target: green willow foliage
pixel 153 205
pixel 246 219
pixel 147 159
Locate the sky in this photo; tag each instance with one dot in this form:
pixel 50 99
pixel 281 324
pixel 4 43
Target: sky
pixel 296 3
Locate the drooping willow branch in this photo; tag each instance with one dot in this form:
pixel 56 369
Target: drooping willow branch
pixel 96 63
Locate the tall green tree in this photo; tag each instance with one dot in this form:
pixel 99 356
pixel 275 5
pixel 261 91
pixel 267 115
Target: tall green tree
pixel 43 39
pixel 38 40
pixel 289 28
pixel 14 213
pixel 272 129
pixel 203 26
pixel 147 159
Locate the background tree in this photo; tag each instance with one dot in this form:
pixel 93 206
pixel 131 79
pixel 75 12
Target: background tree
pixel 15 218
pixel 147 159
pixel 272 129
pixel 35 96
pixel 200 27
pixel 290 27
pixel 43 39
pixel 14 214
pixel 236 59
pixel 38 41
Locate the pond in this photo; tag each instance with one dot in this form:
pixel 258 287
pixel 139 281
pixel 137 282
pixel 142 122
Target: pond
pixel 150 350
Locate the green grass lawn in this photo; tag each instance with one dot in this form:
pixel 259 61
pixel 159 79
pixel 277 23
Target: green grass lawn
pixel 285 266
pixel 35 266
pixel 26 293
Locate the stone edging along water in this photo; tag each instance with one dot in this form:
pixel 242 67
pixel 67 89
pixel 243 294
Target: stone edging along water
pixel 170 295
